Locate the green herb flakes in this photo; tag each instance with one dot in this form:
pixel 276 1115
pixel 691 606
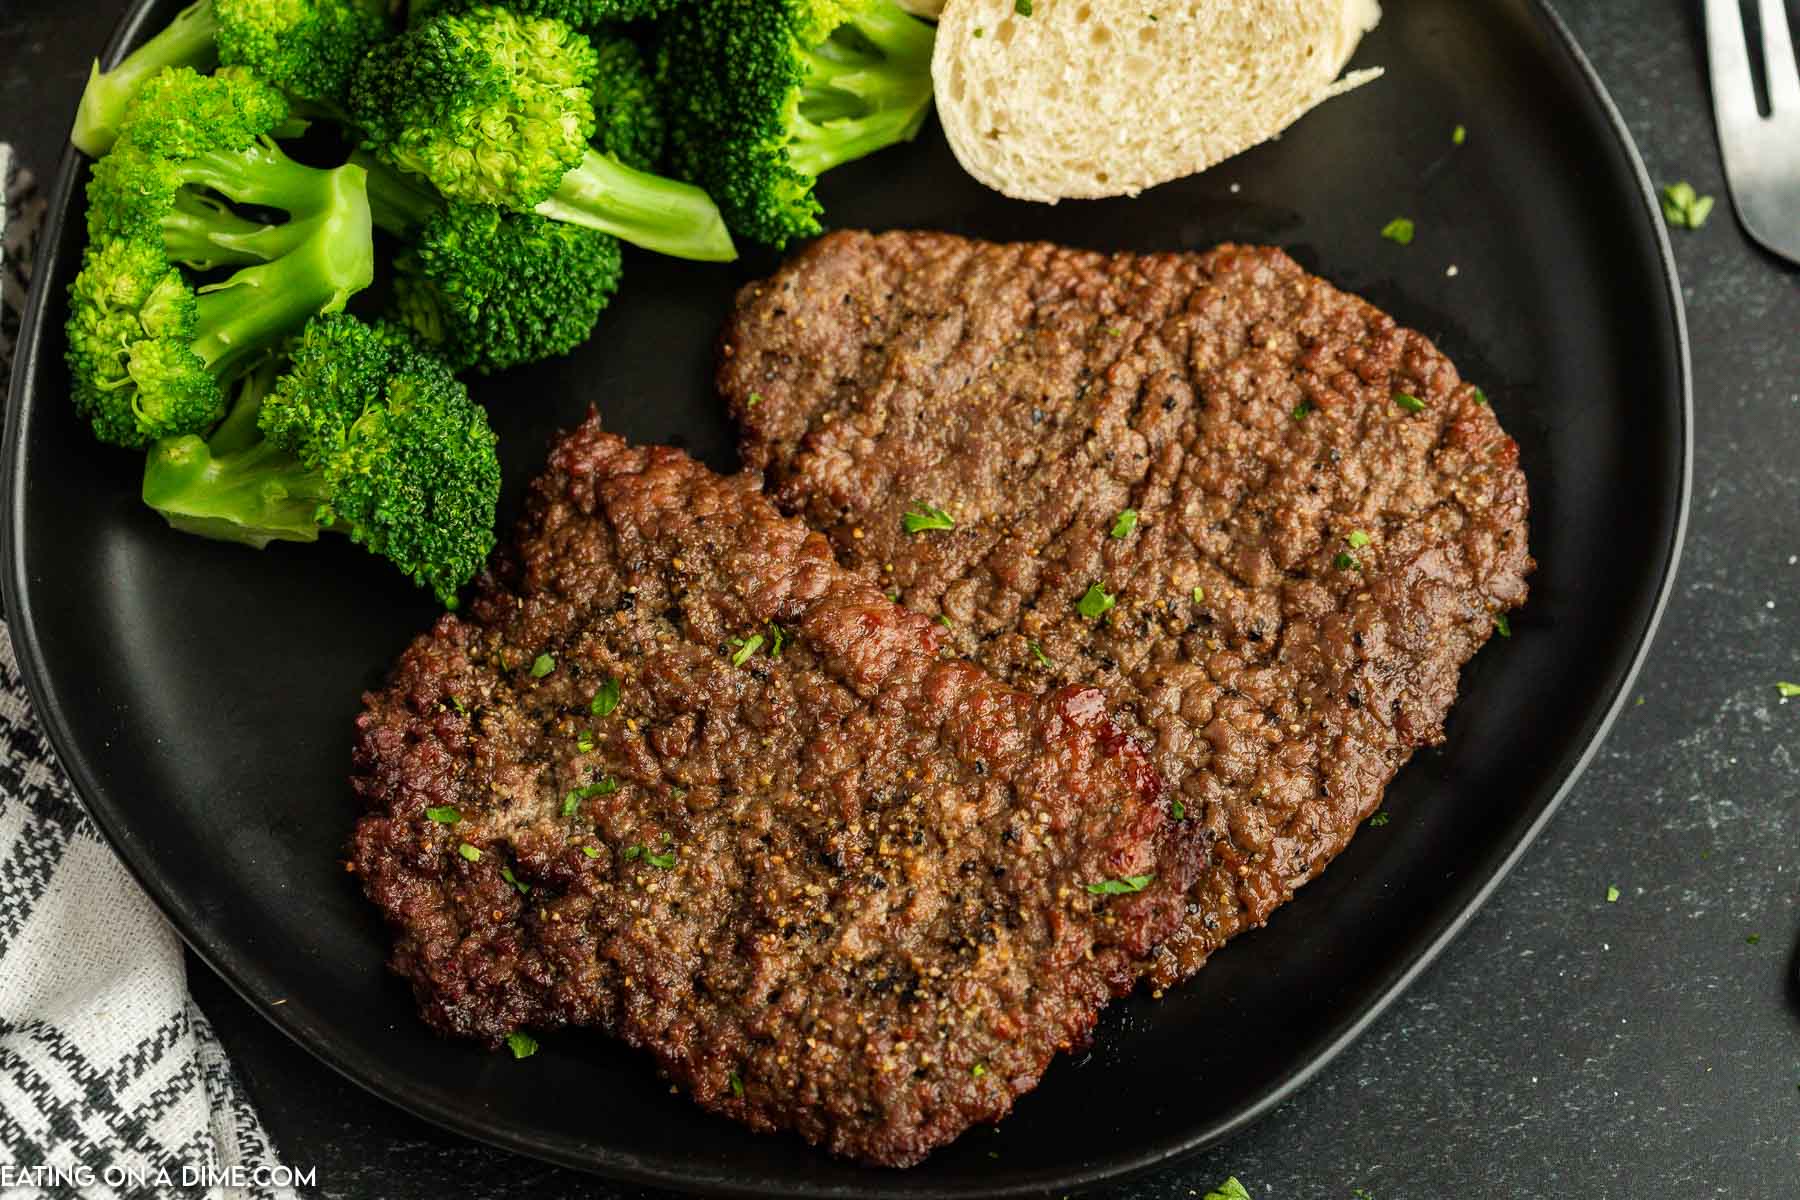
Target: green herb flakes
pixel 1502 626
pixel 1357 539
pixel 1231 1189
pixel 573 799
pixel 663 861
pixel 1409 402
pixel 1038 652
pixel 745 648
pixel 778 637
pixel 737 1084
pixel 1302 410
pixel 1459 135
pixel 522 1045
pixel 1177 810
pixel 632 852
pixel 978 31
pixel 1199 595
pixel 923 516
pixel 1480 398
pixel 1750 939
pixel 1684 207
pixel 542 665
pixel 944 621
pixel 1096 602
pixel 1126 522
pixel 1612 894
pixel 754 400
pixel 444 814
pixel 606 699
pixel 469 852
pixel 457 704
pixel 1120 887
pixel 506 874
pixel 1399 231
pixel 1346 561
pixel 978 1071
pixel 1022 7
pixel 1788 690
pixel 1378 818
pixel 584 741
pixel 591 851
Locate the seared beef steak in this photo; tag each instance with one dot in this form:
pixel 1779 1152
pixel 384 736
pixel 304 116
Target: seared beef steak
pixel 834 880
pixel 1325 520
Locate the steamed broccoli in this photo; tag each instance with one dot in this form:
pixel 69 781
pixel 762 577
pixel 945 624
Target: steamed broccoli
pixel 365 435
pixel 628 119
pixel 767 95
pixel 582 14
pixel 306 48
pixel 151 353
pixel 497 109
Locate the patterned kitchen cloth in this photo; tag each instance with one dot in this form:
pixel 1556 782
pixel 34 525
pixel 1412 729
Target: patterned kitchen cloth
pixel 112 1084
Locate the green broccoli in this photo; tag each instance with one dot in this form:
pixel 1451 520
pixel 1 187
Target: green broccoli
pixel 497 109
pixel 151 353
pixel 581 14
pixel 767 95
pixel 366 435
pixel 306 48
pixel 628 119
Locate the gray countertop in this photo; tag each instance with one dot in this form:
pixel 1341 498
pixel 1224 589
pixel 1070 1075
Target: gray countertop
pixel 1564 1045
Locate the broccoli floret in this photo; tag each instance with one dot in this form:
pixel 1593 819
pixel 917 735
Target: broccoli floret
pixel 490 290
pixel 307 48
pixel 628 119
pixel 582 14
pixel 767 95
pixel 497 109
pixel 152 354
pixel 365 435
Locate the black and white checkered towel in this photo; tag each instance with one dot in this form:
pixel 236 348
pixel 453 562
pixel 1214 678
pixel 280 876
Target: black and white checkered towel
pixel 111 1081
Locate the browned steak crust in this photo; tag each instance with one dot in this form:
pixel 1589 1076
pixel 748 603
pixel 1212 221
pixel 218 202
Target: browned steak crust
pixel 1328 519
pixel 841 890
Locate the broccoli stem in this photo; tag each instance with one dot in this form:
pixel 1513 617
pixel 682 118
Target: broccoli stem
pixel 398 203
pixel 203 234
pixel 187 41
pixel 868 86
pixel 646 210
pixel 248 313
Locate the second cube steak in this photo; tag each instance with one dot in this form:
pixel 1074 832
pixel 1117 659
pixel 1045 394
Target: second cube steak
pixel 680 776
pixel 1271 523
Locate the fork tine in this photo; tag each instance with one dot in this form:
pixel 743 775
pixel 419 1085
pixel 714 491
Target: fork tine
pixel 1728 57
pixel 1778 58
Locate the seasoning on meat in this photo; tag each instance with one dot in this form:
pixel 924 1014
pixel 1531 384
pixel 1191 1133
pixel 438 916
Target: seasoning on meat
pixel 1329 522
pixel 859 889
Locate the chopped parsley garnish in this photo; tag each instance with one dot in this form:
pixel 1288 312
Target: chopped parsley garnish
pixel 523 1045
pixel 1750 939
pixel 572 801
pixel 1177 810
pixel 469 852
pixel 777 639
pixel 542 665
pixel 1502 626
pixel 591 851
pixel 444 814
pixel 923 516
pixel 1409 402
pixel 1684 207
pixel 944 621
pixel 1199 595
pixel 737 1084
pixel 1114 331
pixel 1038 652
pixel 1357 539
pixel 745 648
pixel 665 860
pixel 1120 887
pixel 1022 7
pixel 1399 231
pixel 1378 818
pixel 1458 136
pixel 1480 398
pixel 1788 690
pixel 632 852
pixel 979 31
pixel 584 741
pixel 1346 561
pixel 979 1070
pixel 506 874
pixel 1302 410
pixel 1126 522
pixel 457 704
pixel 1612 894
pixel 606 699
pixel 1095 602
pixel 754 400
pixel 1231 1189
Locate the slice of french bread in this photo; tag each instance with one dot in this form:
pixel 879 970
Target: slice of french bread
pixel 1054 99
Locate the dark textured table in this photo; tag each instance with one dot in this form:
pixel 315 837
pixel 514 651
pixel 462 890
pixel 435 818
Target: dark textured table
pixel 1564 1045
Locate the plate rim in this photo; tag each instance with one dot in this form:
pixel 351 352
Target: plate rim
pixel 628 1167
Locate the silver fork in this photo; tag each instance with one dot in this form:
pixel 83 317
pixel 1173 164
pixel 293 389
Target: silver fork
pixel 1762 154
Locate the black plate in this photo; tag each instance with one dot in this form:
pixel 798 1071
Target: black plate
pixel 201 695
